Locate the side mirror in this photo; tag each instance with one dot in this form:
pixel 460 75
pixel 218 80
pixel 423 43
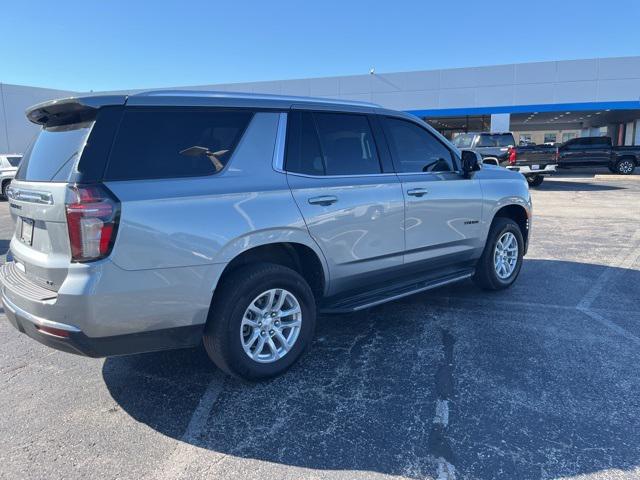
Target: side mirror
pixel 470 162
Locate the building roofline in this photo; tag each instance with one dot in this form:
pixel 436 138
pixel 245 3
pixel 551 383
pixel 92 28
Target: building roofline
pixel 289 99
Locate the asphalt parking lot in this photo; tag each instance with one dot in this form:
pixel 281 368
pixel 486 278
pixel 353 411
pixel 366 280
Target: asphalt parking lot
pixel 540 381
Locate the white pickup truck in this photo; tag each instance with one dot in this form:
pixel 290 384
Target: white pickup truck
pixel 8 168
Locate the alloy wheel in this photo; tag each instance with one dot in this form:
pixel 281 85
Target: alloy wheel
pixel 271 325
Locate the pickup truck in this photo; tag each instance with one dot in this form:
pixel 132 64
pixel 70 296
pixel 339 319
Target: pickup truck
pixel 532 161
pixel 598 152
pixel 8 167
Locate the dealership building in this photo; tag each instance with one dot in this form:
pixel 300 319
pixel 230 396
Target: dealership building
pixel 540 102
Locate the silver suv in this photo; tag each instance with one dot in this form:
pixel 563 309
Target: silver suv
pixel 166 219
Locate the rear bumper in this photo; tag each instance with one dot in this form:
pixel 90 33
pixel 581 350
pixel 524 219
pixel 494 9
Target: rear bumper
pixel 70 339
pixel 87 316
pixel 526 170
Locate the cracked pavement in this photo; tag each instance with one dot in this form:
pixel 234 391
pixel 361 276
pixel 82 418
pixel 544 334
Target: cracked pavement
pixel 540 381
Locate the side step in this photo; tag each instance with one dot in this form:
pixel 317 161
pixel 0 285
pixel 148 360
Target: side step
pixel 371 298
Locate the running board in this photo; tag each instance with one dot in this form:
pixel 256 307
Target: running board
pixel 378 297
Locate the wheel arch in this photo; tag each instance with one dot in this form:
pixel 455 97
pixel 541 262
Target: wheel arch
pixel 301 257
pixel 518 214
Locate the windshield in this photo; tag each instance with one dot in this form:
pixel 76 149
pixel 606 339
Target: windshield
pixel 495 140
pixel 464 140
pixel 54 153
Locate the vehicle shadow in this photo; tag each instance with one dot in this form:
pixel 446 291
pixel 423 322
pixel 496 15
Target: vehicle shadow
pixel 364 397
pixel 576 186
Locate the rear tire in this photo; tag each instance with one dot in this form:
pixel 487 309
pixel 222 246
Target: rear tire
pixel 488 276
pixel 625 166
pixel 535 180
pixel 243 300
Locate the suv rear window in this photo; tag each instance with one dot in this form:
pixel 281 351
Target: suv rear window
pixel 496 140
pixel 464 140
pixel 54 153
pixel 170 143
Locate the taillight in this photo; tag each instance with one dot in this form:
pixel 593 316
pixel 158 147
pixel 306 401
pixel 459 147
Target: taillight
pixel 556 155
pixel 92 219
pixel 513 155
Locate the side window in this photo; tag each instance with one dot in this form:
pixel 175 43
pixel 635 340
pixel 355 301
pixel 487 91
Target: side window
pixel 172 143
pixel 303 154
pixel 14 161
pixel 415 149
pixel 330 144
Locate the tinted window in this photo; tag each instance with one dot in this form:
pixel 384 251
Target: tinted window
pixel 496 140
pixel 172 143
pixel 464 140
pixel 601 141
pixel 331 144
pixel 415 149
pixel 347 144
pixel 303 148
pixel 14 161
pixel 54 153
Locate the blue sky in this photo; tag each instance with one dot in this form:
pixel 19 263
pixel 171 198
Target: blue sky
pixel 115 44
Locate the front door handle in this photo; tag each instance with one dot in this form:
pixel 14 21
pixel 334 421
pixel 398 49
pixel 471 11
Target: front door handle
pixel 417 192
pixel 324 200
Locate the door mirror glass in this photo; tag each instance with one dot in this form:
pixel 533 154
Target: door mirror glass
pixel 470 162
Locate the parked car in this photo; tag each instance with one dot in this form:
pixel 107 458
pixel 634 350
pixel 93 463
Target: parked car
pixel 531 160
pixel 598 152
pixel 8 167
pixel 166 219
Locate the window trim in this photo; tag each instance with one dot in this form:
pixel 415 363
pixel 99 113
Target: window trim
pixel 454 155
pixel 280 166
pixel 175 108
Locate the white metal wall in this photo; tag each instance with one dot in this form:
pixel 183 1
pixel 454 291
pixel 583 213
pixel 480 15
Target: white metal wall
pixel 574 81
pixel 16 132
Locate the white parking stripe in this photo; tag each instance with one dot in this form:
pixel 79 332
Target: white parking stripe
pixel 442 413
pixel 178 462
pixel 446 471
pixel 611 272
pixel 610 325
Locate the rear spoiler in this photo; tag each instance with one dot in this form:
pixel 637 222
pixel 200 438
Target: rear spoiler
pixel 71 110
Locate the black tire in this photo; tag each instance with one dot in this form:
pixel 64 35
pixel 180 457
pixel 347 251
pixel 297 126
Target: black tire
pixel 222 335
pixel 5 185
pixel 486 276
pixel 535 180
pixel 625 166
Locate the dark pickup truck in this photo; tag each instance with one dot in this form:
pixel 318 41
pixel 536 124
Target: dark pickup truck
pixel 533 161
pixel 598 152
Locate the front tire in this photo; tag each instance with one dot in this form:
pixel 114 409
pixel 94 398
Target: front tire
pixel 535 180
pixel 625 166
pixel 261 320
pixel 5 185
pixel 501 260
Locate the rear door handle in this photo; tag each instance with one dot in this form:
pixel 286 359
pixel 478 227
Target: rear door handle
pixel 324 200
pixel 417 192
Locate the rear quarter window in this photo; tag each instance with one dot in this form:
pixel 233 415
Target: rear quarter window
pixel 154 143
pixel 54 153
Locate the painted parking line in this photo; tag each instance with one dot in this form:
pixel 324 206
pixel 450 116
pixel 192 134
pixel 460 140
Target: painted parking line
pixel 178 462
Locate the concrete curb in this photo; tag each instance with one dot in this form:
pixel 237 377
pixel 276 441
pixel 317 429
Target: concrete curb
pixel 617 177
